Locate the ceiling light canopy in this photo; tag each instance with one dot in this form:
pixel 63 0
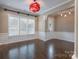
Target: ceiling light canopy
pixel 34 6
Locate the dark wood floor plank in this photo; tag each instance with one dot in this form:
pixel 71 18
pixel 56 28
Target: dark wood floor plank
pixel 37 49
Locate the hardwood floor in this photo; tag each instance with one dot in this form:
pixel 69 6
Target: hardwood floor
pixel 37 49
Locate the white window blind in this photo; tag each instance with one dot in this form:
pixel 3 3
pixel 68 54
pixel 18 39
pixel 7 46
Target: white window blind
pixel 19 24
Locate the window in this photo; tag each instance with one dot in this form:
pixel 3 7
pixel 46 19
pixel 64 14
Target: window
pixel 21 24
pixel 27 25
pixel 13 25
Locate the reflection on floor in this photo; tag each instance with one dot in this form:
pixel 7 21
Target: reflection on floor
pixel 37 49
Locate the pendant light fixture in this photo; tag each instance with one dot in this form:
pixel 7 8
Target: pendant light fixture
pixel 34 6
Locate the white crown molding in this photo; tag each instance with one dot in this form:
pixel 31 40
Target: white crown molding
pixel 59 5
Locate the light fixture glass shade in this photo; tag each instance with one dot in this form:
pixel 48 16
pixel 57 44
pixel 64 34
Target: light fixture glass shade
pixel 34 7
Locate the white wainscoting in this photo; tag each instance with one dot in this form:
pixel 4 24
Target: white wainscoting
pixel 74 56
pixel 5 39
pixel 67 36
pixel 3 34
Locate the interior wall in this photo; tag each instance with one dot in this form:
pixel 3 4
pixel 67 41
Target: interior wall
pixel 50 24
pixel 3 22
pixel 64 24
pixel 36 24
pixel 42 23
pixel 0 20
pixel 58 23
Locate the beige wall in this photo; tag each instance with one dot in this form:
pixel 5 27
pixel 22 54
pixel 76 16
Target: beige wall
pixel 59 23
pixel 42 23
pixel 0 20
pixel 36 24
pixel 50 23
pixel 3 22
pixel 64 24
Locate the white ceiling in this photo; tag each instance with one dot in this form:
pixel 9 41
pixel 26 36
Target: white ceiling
pixel 46 5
